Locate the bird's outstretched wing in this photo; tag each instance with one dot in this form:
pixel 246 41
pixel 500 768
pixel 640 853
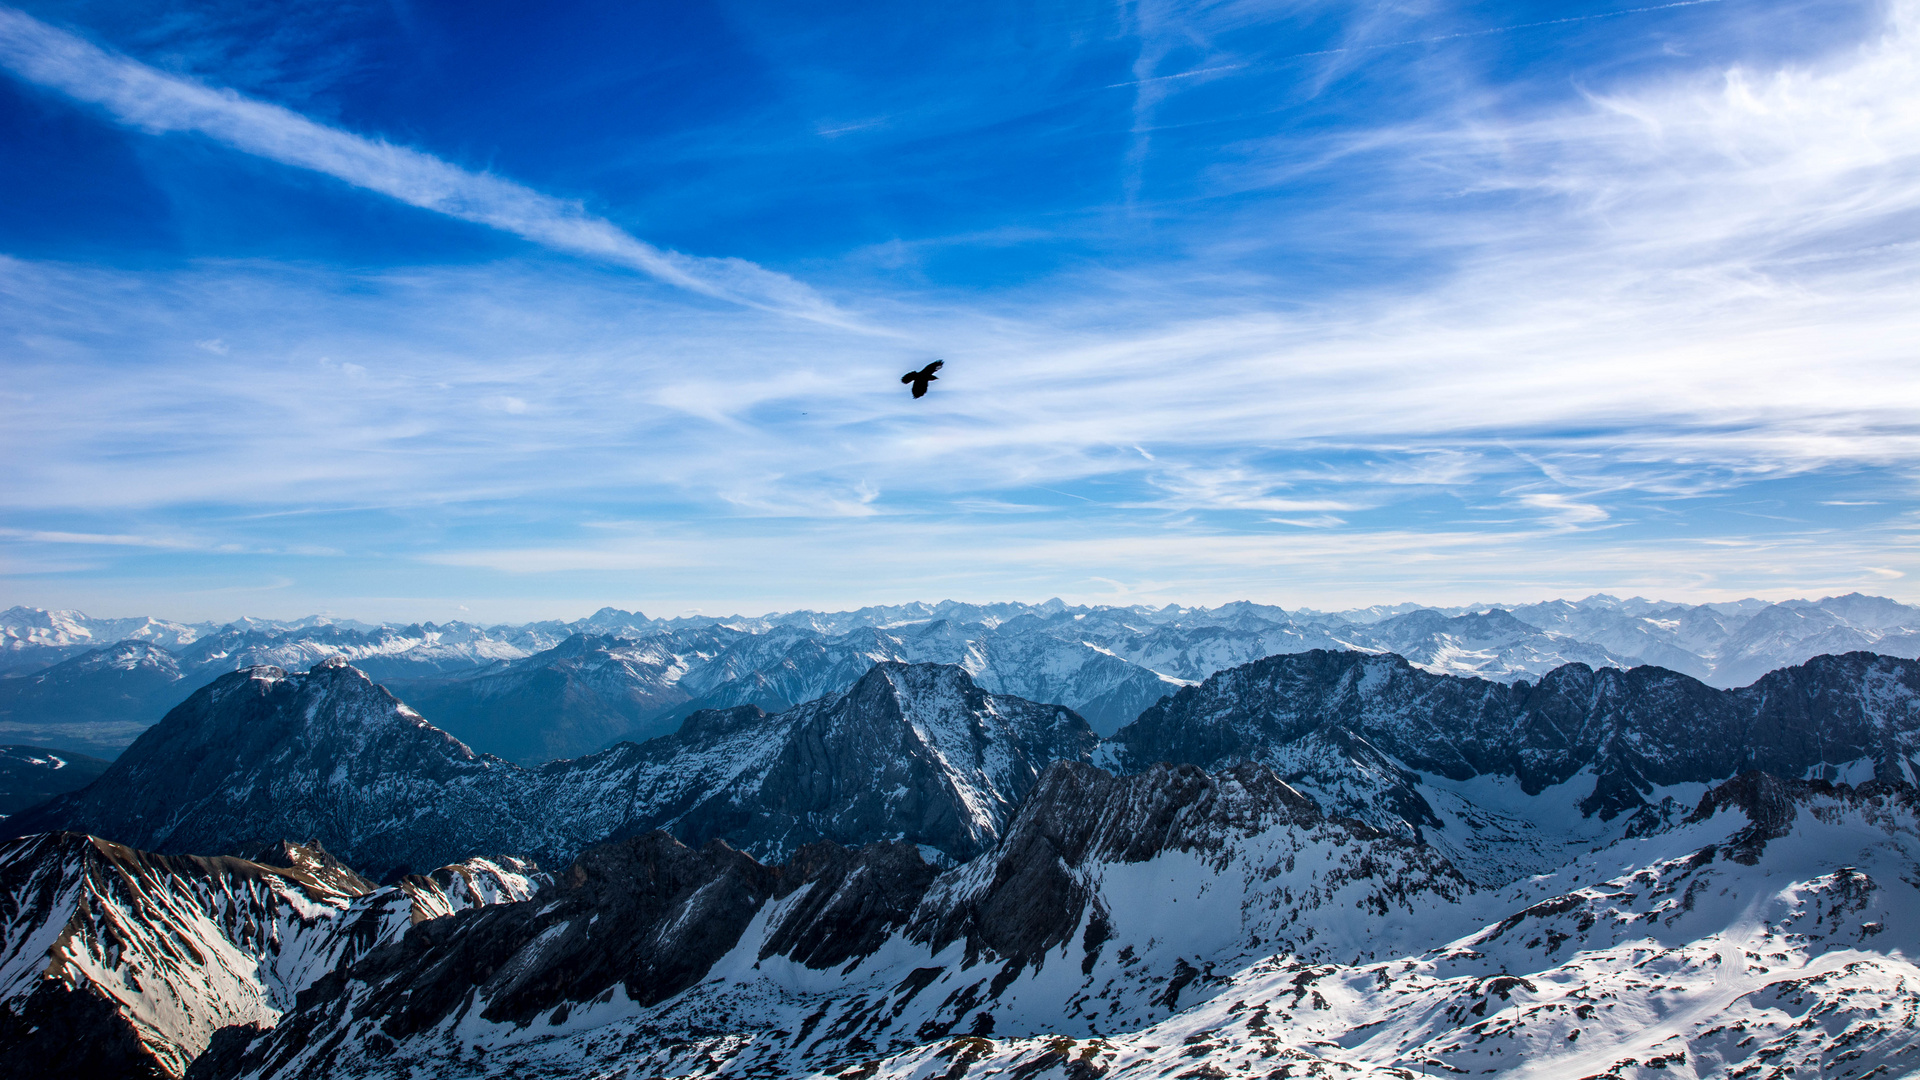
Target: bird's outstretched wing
pixel 909 376
pixel 933 367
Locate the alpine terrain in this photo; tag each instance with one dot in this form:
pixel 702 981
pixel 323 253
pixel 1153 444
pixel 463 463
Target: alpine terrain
pixel 547 690
pixel 1326 862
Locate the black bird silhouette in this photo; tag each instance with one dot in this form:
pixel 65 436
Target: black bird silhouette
pixel 921 378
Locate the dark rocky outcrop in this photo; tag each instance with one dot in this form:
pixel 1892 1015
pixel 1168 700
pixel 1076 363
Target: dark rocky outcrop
pixel 1636 728
pixel 914 752
pixel 857 899
pixel 646 917
pixel 1772 804
pixel 1030 896
pixel 260 753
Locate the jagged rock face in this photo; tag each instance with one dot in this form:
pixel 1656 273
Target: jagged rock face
pixel 33 774
pixel 121 962
pixel 917 753
pixel 632 923
pixel 1075 918
pixel 1656 955
pixel 912 752
pixel 262 753
pixel 1030 895
pixel 1060 869
pixel 1634 729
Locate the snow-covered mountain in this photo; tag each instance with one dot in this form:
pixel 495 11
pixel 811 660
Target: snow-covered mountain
pixel 97 701
pixel 1507 778
pixel 120 962
pixel 33 638
pixel 919 753
pixel 1327 863
pixel 551 690
pixel 1174 923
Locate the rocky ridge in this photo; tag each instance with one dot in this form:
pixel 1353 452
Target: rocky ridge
pixel 119 962
pixel 919 754
pixel 1379 739
pixel 621 675
pixel 1076 917
pixel 1768 929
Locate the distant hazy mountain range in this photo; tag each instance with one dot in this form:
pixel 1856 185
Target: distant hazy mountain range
pixel 547 690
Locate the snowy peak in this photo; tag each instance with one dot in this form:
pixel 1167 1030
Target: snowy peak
pixel 1634 730
pixel 913 752
pixel 120 962
pixel 247 756
pixel 630 925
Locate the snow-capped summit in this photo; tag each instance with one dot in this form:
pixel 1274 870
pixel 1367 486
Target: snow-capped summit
pixel 918 752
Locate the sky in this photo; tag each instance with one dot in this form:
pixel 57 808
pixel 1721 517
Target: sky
pixel 487 311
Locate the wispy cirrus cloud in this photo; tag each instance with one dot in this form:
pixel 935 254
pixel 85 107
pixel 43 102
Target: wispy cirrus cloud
pixel 1659 339
pixel 158 102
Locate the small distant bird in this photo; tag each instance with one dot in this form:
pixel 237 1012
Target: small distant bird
pixel 921 378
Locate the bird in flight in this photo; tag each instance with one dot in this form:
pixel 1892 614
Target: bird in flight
pixel 921 378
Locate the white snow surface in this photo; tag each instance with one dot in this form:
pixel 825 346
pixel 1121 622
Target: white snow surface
pixel 1659 956
pixel 183 946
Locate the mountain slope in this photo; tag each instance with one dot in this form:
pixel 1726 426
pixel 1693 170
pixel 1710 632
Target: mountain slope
pixel 98 701
pixel 917 752
pixel 1377 738
pixel 1171 924
pixel 122 963
pixel 1084 892
pixel 33 774
pixel 261 753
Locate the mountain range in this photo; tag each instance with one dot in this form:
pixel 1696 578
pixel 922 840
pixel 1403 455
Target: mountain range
pixel 838 854
pixel 1321 864
pixel 548 690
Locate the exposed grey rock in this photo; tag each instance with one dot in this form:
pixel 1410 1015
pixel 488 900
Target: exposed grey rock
pixel 917 753
pixel 1029 896
pixel 637 927
pixel 645 917
pixel 1636 728
pixel 124 963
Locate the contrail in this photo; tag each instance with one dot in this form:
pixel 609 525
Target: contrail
pixel 157 102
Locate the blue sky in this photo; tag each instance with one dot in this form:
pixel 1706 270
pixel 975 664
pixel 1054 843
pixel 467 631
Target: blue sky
pixel 496 311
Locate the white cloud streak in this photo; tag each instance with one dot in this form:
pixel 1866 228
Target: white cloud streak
pixel 1654 294
pixel 157 102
